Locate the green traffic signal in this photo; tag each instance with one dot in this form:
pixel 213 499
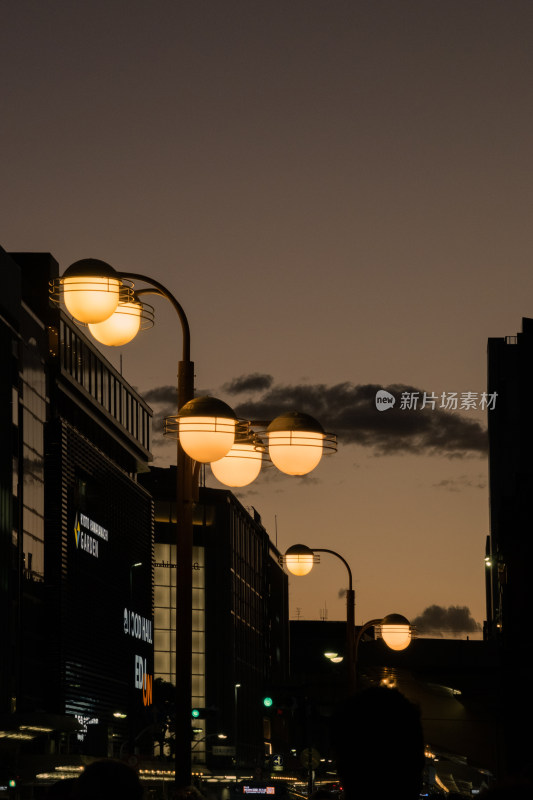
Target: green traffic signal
pixel 267 702
pixel 195 713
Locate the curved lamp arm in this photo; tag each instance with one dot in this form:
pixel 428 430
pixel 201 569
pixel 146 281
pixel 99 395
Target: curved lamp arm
pixel 338 555
pixel 164 292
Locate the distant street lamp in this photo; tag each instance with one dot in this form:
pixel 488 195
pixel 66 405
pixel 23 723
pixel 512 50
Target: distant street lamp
pixel 395 629
pixel 207 430
pixel 299 559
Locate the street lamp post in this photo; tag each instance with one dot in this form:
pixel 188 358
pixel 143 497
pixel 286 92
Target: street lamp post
pixel 206 429
pixel 299 560
pixel 395 629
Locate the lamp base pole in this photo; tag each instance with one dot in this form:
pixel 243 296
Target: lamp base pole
pixel 185 497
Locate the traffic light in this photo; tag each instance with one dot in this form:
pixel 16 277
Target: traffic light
pixel 267 702
pixel 198 713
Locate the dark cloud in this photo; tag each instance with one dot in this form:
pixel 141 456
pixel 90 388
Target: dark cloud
pixel 438 620
pixel 162 394
pixel 256 382
pixel 350 411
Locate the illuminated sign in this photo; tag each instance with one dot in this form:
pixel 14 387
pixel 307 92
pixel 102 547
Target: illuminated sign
pixel 84 722
pixel 137 626
pixel 143 680
pixel 259 789
pixel 88 534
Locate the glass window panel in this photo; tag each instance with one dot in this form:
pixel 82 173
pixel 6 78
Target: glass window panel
pixel 162 618
pixel 198 555
pixel 161 576
pixel 198 620
pixel 198 598
pixel 162 552
pixel 161 596
pixel 198 685
pixel 198 578
pixel 34 551
pixel 74 356
pixel 198 663
pixel 119 414
pixel 162 640
pixel 105 388
pixel 14 406
pixel 162 664
pixel 15 487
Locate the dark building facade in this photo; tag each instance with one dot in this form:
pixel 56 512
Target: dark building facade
pixel 510 545
pixel 76 529
pixel 240 621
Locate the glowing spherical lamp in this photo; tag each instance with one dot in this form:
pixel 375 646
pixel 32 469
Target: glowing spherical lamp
pixel 241 465
pixel 121 327
pixel 91 290
pixel 299 559
pixel 396 631
pixel 206 428
pixel 295 443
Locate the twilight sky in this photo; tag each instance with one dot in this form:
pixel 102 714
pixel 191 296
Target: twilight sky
pixel 339 193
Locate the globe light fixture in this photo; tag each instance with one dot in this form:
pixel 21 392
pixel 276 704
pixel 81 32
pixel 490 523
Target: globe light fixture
pixel 295 443
pixel 206 428
pixel 242 464
pixel 299 559
pixel 396 631
pixel 129 317
pixel 91 290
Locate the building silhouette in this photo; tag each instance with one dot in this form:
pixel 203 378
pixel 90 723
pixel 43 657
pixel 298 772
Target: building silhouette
pixel 510 544
pixel 76 533
pixel 86 668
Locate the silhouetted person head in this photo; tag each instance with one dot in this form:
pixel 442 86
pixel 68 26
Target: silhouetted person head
pixel 109 780
pixel 379 745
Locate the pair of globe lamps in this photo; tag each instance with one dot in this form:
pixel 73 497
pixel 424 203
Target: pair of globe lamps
pixel 208 429
pixel 394 629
